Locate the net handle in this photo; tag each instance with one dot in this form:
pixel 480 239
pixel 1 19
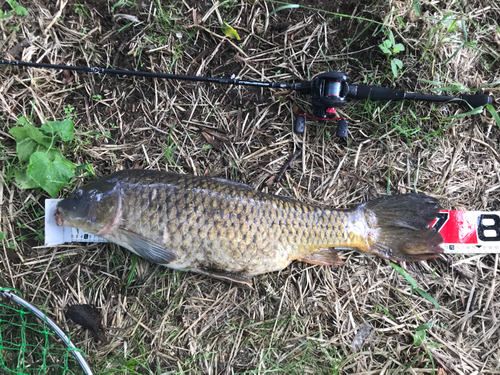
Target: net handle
pixel 73 349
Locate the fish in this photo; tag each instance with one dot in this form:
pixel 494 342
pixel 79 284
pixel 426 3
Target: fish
pixel 229 230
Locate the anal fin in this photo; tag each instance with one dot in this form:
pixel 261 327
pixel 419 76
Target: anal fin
pixel 235 277
pixel 322 257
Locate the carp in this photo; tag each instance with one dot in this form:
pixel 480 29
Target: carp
pixel 228 230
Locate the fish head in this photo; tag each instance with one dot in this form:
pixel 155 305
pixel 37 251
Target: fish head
pixel 94 208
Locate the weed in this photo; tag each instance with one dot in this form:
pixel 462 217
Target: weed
pixel 41 164
pixel 390 47
pixel 39 235
pixel 80 9
pixel 229 31
pixel 169 149
pixel 18 9
pixel 420 338
pixel 207 147
pixel 414 286
pixel 289 6
pixel 123 3
pixel 46 165
pixel 69 111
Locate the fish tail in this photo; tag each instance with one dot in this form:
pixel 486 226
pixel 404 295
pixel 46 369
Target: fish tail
pixel 399 227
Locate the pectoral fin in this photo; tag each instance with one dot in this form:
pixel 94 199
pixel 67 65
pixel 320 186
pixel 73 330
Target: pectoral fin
pixel 237 278
pixel 322 257
pixel 149 250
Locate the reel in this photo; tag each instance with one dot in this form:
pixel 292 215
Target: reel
pixel 332 89
pixel 327 90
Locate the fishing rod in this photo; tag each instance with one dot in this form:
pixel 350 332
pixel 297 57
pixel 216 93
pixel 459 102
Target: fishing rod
pixel 327 90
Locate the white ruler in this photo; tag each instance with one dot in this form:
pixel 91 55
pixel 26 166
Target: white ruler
pixel 56 235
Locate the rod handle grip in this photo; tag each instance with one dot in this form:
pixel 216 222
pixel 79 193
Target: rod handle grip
pixel 476 100
pixel 378 93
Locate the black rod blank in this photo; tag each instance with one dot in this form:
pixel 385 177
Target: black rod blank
pixel 228 81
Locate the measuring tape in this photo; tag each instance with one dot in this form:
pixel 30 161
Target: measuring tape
pixel 464 232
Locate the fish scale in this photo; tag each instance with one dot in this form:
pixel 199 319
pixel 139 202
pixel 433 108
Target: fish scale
pixel 227 229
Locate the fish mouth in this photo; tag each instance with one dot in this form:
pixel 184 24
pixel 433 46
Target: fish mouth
pixel 59 217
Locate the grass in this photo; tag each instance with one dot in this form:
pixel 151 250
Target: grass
pixel 304 318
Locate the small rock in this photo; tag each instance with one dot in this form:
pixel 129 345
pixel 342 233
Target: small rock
pixel 361 336
pixel 88 317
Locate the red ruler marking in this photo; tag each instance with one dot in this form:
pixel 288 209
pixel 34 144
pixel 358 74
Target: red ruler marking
pixel 469 232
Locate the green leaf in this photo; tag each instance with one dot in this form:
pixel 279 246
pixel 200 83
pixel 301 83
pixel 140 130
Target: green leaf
pixel 434 345
pixel 2 236
pixel 23 180
pixel 29 140
pixel 425 326
pixel 22 120
pixel 474 111
pixel 398 48
pixel 50 172
pixel 118 4
pixel 420 334
pixel 16 8
pixel 394 68
pixel 493 113
pixel 396 65
pixel 454 53
pixel 452 88
pixel 385 48
pixel 416 7
pixel 289 6
pixel 428 297
pixel 21 11
pixel 405 274
pixel 386 312
pixel 419 337
pixel 229 31
pixel 63 129
pixel 391 38
pixel 464 30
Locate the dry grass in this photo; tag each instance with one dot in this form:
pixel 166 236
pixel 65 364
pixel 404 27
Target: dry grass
pixel 303 319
